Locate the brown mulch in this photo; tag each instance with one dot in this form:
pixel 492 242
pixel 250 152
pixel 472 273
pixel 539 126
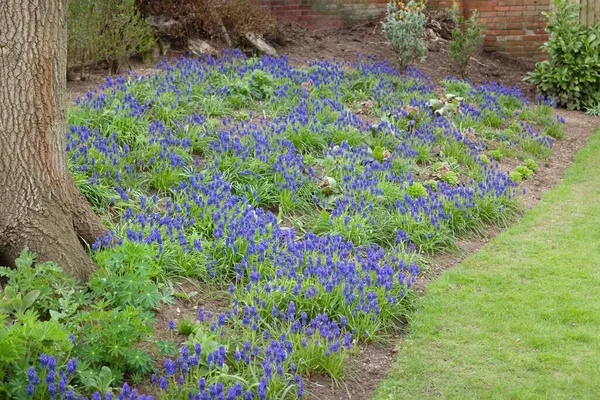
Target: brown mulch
pixel 369 366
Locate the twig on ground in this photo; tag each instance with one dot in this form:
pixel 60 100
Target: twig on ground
pixel 479 62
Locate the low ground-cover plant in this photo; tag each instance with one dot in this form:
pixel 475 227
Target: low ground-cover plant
pixel 262 179
pixel 594 111
pixel 572 72
pixel 46 312
pixel 404 27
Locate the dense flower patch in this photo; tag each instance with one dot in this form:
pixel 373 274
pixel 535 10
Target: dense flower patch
pixel 311 193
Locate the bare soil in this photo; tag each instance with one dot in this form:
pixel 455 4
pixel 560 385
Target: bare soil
pixel 364 370
pixel 368 39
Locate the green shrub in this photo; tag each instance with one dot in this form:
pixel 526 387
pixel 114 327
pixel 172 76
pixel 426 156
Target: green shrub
pixel 107 30
pixel 127 277
pixel 404 27
pixel 44 310
pixel 572 71
pixel 433 184
pixel 467 39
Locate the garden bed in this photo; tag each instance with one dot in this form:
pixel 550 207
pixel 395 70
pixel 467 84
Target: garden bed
pixel 298 202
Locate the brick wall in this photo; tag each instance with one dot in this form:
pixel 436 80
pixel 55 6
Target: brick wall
pixel 513 27
pixel 325 14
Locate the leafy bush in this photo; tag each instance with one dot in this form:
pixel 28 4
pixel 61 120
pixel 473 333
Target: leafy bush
pixel 107 30
pixel 44 310
pixel 467 39
pixel 404 26
pixel 127 278
pixel 450 177
pixel 572 71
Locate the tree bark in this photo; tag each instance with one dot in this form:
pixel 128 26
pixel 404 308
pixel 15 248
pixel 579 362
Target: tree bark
pixel 40 205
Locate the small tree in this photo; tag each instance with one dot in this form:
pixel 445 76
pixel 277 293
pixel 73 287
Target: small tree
pixel 467 39
pixel 404 26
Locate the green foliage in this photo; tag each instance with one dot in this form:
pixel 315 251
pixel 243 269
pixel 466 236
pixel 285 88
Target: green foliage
pixel 101 381
pixel 467 39
pixel 22 340
pixel 58 294
pixel 457 87
pixel 593 110
pixel 496 154
pixel 516 175
pixel 17 303
pixel 404 27
pixel 450 177
pixel 127 277
pixel 531 164
pixel 572 72
pixel 433 184
pixel 523 171
pixel 186 327
pixel 107 30
pixel 41 305
pixel 417 189
pixel 112 338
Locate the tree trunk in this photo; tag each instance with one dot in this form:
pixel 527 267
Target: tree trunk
pixel 40 205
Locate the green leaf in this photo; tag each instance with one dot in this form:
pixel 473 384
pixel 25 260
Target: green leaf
pixel 104 380
pixel 30 298
pixel 26 259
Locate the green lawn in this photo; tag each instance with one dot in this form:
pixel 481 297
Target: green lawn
pixel 520 319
